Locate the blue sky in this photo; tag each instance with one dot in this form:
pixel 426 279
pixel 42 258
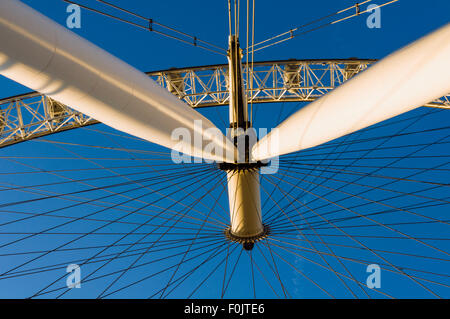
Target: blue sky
pixel 401 23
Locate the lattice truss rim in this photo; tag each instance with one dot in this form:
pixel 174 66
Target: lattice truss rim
pixel 33 115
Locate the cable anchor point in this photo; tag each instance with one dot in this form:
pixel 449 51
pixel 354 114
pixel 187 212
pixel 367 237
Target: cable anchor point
pixel 150 24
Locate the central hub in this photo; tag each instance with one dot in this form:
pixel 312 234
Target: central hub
pixel 240 166
pixel 247 242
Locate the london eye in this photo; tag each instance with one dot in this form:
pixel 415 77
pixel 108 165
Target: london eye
pixel 242 177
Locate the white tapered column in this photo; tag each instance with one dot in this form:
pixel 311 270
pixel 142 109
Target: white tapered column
pixel 48 58
pixel 401 82
pixel 245 203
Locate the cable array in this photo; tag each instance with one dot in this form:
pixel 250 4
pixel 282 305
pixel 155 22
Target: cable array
pixel 310 26
pixel 156 27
